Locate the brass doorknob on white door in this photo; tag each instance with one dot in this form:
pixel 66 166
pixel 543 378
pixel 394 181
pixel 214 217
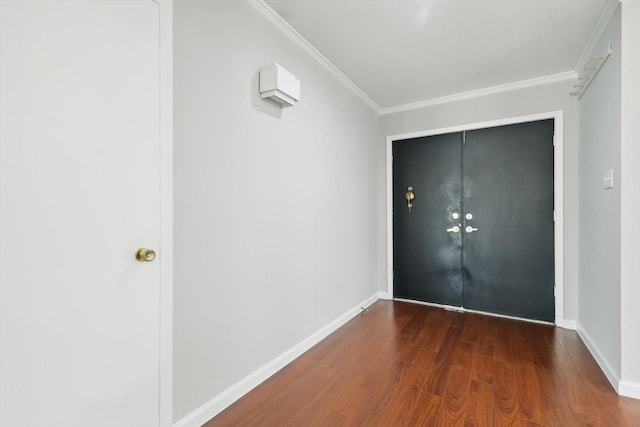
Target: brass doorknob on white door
pixel 470 229
pixel 145 255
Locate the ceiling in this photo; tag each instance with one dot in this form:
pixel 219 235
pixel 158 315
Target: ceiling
pixel 400 52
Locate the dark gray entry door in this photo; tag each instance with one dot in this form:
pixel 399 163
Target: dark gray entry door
pixel 480 230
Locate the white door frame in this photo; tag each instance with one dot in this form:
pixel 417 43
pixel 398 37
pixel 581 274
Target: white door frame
pixel 558 198
pixel 166 213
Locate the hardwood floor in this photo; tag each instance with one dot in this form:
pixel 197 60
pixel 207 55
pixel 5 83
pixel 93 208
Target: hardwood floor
pixel 402 364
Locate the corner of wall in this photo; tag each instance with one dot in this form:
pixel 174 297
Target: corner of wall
pixel 598 355
pixel 223 400
pixel 629 389
pixel 567 324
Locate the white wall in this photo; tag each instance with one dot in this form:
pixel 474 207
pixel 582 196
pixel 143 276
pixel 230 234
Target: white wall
pixel 521 102
pixel 630 197
pixel 275 210
pixel 599 213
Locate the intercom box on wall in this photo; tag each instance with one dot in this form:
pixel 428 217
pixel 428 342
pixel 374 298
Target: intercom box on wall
pixel 279 85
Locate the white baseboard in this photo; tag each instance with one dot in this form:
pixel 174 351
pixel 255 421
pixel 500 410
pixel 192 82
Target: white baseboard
pixel 220 402
pixel 602 361
pixel 629 389
pixel 567 324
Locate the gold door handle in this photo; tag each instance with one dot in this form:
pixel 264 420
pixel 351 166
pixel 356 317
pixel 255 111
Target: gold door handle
pixel 145 255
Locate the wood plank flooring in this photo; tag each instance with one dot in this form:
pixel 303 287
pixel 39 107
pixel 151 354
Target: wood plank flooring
pixel 402 364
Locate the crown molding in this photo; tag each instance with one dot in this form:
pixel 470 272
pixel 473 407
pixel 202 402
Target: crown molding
pixel 273 16
pixel 554 78
pixel 263 8
pixel 606 15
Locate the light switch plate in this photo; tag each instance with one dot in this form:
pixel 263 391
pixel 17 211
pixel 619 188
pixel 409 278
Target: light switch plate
pixel 607 181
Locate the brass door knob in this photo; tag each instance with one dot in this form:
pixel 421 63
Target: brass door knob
pixel 145 255
pixel 410 196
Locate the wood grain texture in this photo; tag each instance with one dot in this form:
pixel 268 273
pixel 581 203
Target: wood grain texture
pixel 402 364
pixel 456 395
pixel 479 409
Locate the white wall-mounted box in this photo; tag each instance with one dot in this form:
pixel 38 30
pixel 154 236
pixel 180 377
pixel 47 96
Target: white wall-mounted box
pixel 279 85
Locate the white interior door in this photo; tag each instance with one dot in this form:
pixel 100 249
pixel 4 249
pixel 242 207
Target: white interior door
pixel 79 194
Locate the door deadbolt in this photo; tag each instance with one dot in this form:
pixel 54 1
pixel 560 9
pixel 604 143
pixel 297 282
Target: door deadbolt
pixel 455 215
pixel 145 255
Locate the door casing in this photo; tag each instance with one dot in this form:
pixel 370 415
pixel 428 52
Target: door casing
pixel 557 116
pixel 166 213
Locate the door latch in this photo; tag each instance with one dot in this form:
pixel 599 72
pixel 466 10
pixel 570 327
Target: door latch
pixel 410 196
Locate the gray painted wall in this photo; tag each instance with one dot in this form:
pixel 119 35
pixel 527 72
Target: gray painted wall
pixel 276 211
pixel 599 214
pixel 539 99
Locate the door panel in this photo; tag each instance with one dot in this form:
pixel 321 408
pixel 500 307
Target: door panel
pixel 426 256
pixel 508 188
pixel 79 193
pixel 503 178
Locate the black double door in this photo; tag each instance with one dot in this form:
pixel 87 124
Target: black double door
pixel 479 232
